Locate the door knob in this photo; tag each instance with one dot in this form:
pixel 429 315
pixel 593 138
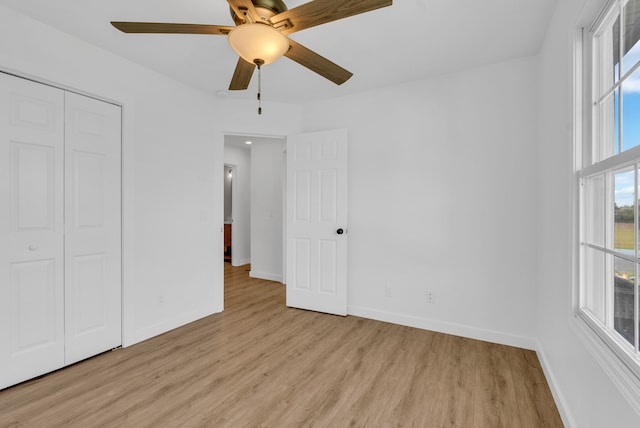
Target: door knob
pixel 33 247
pixel 339 231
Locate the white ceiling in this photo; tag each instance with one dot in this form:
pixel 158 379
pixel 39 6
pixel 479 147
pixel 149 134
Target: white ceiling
pixel 409 40
pixel 240 141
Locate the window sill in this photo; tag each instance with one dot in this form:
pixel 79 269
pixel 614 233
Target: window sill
pixel 622 376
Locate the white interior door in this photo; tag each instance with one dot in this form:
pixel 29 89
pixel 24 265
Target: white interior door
pixel 317 221
pixel 31 229
pixel 93 302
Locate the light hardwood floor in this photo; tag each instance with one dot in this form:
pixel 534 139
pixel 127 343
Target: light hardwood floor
pixel 260 364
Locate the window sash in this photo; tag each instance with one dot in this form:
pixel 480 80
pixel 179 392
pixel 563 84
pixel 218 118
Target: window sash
pixel 604 222
pixel 607 88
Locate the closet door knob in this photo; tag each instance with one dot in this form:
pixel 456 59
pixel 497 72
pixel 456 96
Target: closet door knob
pixel 339 231
pixel 33 247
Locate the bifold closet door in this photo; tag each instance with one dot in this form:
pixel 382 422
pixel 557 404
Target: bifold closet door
pixel 31 229
pixel 92 227
pixel 60 228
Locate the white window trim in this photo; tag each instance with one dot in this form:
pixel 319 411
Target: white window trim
pixel 625 378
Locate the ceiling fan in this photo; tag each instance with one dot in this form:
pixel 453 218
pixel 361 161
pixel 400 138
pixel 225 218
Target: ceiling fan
pixel 260 34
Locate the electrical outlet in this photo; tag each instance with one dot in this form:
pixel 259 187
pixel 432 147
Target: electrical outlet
pixel 161 300
pixel 431 298
pixel 387 291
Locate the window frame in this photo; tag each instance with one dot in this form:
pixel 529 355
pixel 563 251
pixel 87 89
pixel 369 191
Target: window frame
pixel 608 347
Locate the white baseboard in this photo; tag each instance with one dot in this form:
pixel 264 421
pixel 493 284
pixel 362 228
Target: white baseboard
pixel 167 325
pixel 445 327
pixel 265 275
pixel 558 396
pixel 242 262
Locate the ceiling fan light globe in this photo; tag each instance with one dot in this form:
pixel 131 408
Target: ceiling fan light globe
pixel 258 42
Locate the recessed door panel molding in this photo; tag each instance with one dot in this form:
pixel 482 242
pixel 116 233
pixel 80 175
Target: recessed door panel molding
pixel 88 294
pixel 328 196
pixel 302 152
pixel 302 260
pixel 33 112
pixel 317 216
pixel 88 192
pixel 33 181
pixel 328 268
pixel 31 224
pixel 88 123
pixel 303 200
pixel 329 150
pixel 34 305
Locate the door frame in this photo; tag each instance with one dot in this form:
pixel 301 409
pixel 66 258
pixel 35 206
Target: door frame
pixel 252 135
pixel 284 138
pixel 284 213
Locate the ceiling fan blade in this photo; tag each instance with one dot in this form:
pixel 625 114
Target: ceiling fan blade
pixel 158 27
pixel 244 9
pixel 315 62
pixel 241 75
pixel 318 12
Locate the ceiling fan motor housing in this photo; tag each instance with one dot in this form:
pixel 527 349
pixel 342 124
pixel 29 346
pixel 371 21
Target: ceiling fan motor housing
pixel 265 8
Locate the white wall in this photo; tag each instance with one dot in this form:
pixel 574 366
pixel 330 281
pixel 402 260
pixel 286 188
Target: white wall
pixel 267 213
pixel 173 140
pixel 241 229
pixel 442 198
pixel 586 395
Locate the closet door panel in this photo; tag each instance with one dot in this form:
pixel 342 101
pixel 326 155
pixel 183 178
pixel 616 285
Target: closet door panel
pixel 93 225
pixel 31 229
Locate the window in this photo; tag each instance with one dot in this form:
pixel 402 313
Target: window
pixel 608 296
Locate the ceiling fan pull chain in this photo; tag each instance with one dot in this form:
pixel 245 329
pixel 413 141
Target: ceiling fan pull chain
pixel 259 63
pixel 259 90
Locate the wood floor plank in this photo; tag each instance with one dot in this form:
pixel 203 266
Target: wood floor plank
pixel 261 364
pixel 458 383
pixel 496 403
pixel 532 391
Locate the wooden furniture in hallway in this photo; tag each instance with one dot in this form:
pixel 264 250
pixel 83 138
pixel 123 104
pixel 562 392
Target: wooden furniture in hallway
pixel 227 242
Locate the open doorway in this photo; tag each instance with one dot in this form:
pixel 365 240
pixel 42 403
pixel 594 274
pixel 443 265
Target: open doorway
pixel 237 203
pixel 257 203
